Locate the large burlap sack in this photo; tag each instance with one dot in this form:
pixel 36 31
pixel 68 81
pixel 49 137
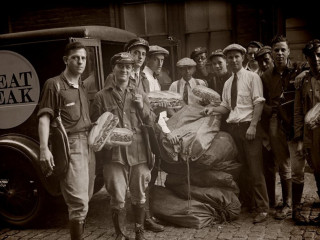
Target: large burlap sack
pixel 204 178
pixel 170 208
pixel 223 200
pixel 195 130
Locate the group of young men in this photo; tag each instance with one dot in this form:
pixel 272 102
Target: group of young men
pixel 261 102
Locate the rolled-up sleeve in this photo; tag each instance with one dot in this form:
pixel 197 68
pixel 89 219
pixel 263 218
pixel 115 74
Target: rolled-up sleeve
pixel 257 90
pixel 49 98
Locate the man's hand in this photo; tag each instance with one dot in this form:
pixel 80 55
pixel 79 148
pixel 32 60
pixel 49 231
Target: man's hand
pixel 46 161
pixel 138 100
pixel 251 133
pixel 207 110
pixel 172 138
pixel 300 148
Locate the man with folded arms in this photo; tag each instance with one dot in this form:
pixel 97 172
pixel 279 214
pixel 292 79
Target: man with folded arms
pixel 125 166
pixel 242 97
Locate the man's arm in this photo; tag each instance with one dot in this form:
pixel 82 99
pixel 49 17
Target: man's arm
pixel 257 111
pixel 210 109
pixel 46 158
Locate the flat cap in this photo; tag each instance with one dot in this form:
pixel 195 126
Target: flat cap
pixel 197 51
pixel 155 49
pixel 256 44
pixel 234 47
pixel 136 42
pixel 186 62
pixel 217 53
pixel 263 50
pixel 122 57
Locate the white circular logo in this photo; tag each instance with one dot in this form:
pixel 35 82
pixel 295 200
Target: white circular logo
pixel 19 89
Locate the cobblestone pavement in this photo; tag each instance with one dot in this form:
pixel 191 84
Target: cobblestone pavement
pixel 54 224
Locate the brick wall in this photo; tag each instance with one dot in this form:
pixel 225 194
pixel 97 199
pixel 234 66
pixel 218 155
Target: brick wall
pixel 34 19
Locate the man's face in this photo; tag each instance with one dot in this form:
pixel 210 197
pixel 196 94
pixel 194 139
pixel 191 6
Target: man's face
pixel 76 61
pixel 265 62
pixel 139 55
pixel 122 72
pixel 155 62
pixel 252 50
pixel 280 53
pixel 187 72
pixel 314 61
pixel 201 60
pixel 234 60
pixel 219 65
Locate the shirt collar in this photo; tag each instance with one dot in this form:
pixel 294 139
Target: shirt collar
pixel 113 85
pixel 148 70
pixel 70 84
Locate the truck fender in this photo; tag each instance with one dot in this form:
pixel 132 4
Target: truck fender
pixel 30 148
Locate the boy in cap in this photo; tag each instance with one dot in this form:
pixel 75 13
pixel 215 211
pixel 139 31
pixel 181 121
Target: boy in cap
pixel 125 166
pixel 154 63
pixel 264 59
pixel 308 139
pixel 138 48
pixel 250 62
pixel 186 67
pixel 243 98
pixel 200 56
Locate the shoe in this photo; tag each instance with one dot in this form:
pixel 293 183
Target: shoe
pixel 151 224
pixel 261 217
pixel 284 212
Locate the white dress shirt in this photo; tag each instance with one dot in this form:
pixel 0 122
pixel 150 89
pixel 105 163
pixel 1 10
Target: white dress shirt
pixel 153 82
pixel 250 93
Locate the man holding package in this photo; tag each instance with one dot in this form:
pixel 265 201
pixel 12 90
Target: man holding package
pixel 125 166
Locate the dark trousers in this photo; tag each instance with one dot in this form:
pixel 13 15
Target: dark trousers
pixel 252 174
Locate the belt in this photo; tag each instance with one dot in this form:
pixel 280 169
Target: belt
pixel 84 133
pixel 239 123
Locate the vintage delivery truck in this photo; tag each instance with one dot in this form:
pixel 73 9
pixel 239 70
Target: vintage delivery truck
pixel 27 60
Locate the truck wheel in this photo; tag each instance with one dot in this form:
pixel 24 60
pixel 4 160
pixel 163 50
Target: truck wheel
pixel 22 196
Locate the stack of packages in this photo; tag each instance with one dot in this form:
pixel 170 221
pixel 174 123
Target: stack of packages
pixel 200 187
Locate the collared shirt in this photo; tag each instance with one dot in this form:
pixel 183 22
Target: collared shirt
pixel 71 99
pixel 153 82
pixel 250 93
pixel 178 86
pixel 126 109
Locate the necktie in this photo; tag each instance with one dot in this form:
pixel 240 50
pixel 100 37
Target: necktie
pixel 185 92
pixel 234 91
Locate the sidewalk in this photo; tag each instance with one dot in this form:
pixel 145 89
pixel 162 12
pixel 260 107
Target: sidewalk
pixel 54 225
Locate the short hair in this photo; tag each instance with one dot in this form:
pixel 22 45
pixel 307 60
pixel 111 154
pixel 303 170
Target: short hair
pixel 311 47
pixel 73 46
pixel 277 39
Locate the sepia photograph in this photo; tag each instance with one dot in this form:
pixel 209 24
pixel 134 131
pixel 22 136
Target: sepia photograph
pixel 158 119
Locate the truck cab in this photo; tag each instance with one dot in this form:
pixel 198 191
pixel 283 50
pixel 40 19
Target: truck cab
pixel 27 60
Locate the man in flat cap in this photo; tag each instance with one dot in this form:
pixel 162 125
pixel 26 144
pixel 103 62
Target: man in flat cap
pixel 125 166
pixel 250 63
pixel 138 48
pixel 219 75
pixel 200 56
pixel 243 98
pixel 186 67
pixel 279 89
pixel 265 61
pixel 264 58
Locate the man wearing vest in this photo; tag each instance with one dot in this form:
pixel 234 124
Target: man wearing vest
pixel 184 86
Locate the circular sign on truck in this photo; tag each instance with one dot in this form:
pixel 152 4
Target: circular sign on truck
pixel 19 89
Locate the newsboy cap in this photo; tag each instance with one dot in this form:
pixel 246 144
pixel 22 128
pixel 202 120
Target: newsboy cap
pixel 122 57
pixel 136 42
pixel 197 51
pixel 217 53
pixel 263 50
pixel 256 44
pixel 186 62
pixel 234 47
pixel 155 49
